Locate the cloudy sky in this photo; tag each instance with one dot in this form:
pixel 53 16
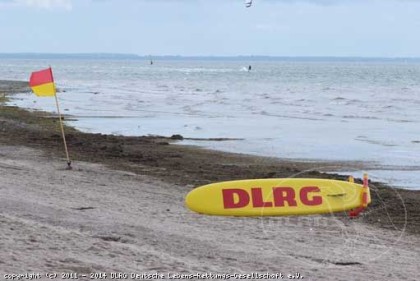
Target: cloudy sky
pixel 378 28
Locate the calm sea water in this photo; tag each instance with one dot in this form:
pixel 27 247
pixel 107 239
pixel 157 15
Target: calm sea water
pixel 316 110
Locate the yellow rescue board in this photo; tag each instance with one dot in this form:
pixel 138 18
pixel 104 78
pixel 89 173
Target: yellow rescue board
pixel 277 197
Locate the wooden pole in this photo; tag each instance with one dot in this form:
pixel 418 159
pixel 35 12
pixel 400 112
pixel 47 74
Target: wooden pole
pixel 62 132
pixel 61 126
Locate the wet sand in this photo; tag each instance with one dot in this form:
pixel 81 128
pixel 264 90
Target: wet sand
pixel 121 209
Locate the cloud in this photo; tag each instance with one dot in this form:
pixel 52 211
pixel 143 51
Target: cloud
pixel 39 4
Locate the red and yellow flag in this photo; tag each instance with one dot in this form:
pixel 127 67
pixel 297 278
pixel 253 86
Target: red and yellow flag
pixel 42 83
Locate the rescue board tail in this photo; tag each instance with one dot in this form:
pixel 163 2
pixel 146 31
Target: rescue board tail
pixel 365 196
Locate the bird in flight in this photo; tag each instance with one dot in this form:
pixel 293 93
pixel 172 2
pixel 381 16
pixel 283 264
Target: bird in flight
pixel 248 3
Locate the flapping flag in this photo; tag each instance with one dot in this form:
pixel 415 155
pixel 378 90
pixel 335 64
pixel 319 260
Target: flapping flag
pixel 42 83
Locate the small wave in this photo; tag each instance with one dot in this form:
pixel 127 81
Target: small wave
pixel 405 100
pixel 400 120
pixel 346 101
pixel 202 70
pixel 287 116
pixel 264 96
pixel 180 88
pixel 389 106
pixel 376 142
pixel 360 117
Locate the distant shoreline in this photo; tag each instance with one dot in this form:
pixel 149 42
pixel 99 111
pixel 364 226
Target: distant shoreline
pixel 118 56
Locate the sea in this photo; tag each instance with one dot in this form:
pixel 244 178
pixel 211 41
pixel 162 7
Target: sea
pixel 308 109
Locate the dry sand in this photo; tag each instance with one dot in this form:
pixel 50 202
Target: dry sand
pixel 93 219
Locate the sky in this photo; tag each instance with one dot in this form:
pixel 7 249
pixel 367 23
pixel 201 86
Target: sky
pixel 361 28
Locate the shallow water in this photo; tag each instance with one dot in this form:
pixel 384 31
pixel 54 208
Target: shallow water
pixel 330 110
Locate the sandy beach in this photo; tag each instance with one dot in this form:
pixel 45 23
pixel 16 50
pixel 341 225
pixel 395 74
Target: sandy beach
pixel 121 209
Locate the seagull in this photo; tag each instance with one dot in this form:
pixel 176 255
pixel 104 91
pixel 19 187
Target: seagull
pixel 248 3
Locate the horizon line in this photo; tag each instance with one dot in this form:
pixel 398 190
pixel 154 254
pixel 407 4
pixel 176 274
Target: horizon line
pixel 139 56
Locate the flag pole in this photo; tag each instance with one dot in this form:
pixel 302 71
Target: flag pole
pixel 62 128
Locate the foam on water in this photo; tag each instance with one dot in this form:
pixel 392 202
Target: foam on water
pixel 353 110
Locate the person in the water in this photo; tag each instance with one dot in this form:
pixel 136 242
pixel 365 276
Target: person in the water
pixel 249 68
